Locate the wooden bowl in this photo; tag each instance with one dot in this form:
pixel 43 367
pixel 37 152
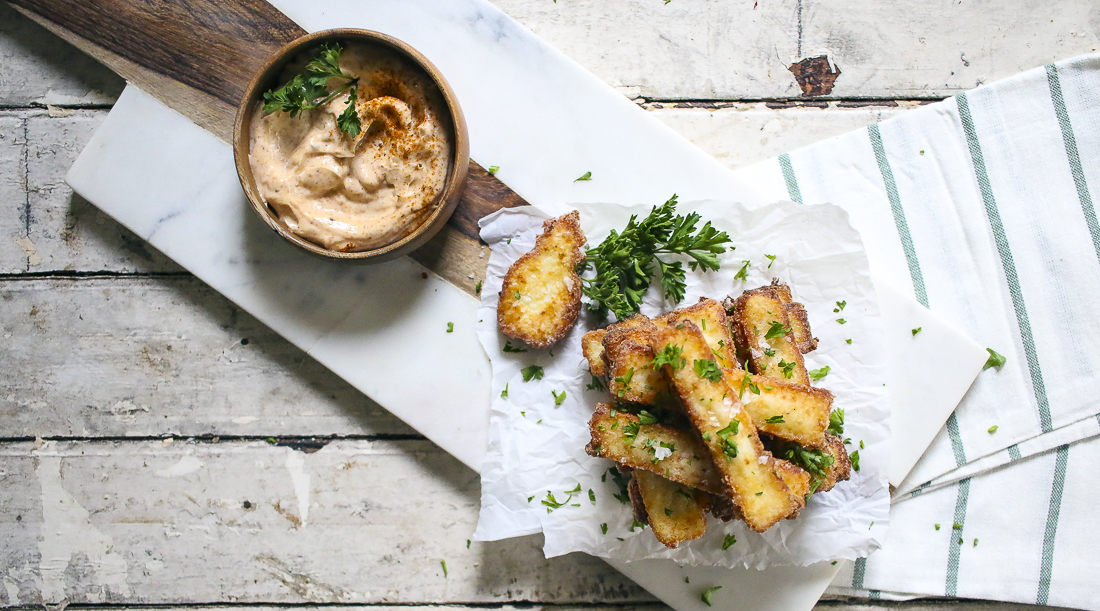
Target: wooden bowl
pixel 268 77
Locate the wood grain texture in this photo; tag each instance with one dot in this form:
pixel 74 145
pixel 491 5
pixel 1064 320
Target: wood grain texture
pixel 198 56
pixel 171 522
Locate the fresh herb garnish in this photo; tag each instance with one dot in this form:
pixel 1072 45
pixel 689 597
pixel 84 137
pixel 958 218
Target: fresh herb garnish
pixel 994 360
pixel 596 385
pixel 309 90
pixel 775 330
pixel 558 397
pixel 621 481
pixel 836 423
pixel 670 355
pixel 450 327
pixel 624 381
pixel 585 176
pixel 707 594
pixel 443 563
pixel 728 446
pixel 493 169
pixel 647 418
pixel 771 259
pixel 917 330
pixel 842 321
pixel 728 542
pixel 840 306
pixel 993 429
pixel 534 372
pixel 509 348
pixel 477 287
pixel 855 459
pixel 817 374
pixel 504 393
pixel 708 369
pixel 743 273
pixel 788 368
pixel 603 528
pixel 626 261
pixel 775 420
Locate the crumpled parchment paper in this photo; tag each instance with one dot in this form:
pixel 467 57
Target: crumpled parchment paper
pixel 536 448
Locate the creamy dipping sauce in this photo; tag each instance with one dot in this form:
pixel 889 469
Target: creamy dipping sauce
pixel 357 193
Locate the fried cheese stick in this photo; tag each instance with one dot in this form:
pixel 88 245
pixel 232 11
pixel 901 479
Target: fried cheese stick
pixel 675 512
pixel 794 412
pixel 621 437
pixel 747 471
pixel 763 332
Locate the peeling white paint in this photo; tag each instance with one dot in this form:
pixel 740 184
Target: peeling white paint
pixel 295 464
pixel 12 589
pixel 33 258
pixel 66 530
pixel 245 419
pixel 187 464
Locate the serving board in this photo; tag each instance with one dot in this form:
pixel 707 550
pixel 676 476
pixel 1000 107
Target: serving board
pixel 197 57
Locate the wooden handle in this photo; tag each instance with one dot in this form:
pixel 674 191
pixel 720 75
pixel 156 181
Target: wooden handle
pixel 197 57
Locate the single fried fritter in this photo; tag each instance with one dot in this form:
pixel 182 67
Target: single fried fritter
pixel 778 407
pixel 541 295
pixel 622 438
pixel 674 512
pixel 629 353
pixel 746 469
pixel 796 478
pixel 763 332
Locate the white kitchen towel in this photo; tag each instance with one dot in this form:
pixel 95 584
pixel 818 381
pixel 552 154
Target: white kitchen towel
pixel 1024 533
pixel 988 200
pixel 990 197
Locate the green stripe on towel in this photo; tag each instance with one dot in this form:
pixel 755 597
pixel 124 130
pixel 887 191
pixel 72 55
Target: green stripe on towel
pixel 1014 452
pixel 858 573
pixel 899 214
pixel 1074 158
pixel 954 545
pixel 788 176
pixel 1007 262
pixel 1052 524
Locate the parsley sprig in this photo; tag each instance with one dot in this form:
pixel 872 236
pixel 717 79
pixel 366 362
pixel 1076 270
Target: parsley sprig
pixel 309 90
pixel 626 261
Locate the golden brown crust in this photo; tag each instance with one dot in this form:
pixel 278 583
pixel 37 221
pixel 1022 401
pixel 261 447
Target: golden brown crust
pixel 757 312
pixel 710 317
pixel 797 412
pixel 674 512
pixel 629 353
pixel 841 468
pixel 622 438
pixel 800 327
pixel 541 295
pixel 592 348
pixel 746 469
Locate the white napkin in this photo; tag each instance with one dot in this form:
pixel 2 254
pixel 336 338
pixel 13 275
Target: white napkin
pixel 991 198
pixel 536 444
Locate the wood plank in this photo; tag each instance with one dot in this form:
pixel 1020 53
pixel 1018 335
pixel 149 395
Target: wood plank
pixel 186 522
pixel 114 357
pixel 714 49
pixel 709 49
pixel 39 69
pixel 830 604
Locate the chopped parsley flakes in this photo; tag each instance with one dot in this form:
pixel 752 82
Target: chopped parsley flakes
pixel 450 327
pixel 534 372
pixel 994 360
pixel 707 593
pixel 670 355
pixel 776 330
pixel 558 397
pixel 728 542
pixel 708 369
pixel 817 374
pixel 509 348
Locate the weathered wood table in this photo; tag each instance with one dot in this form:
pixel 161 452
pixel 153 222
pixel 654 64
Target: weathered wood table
pixel 160 447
